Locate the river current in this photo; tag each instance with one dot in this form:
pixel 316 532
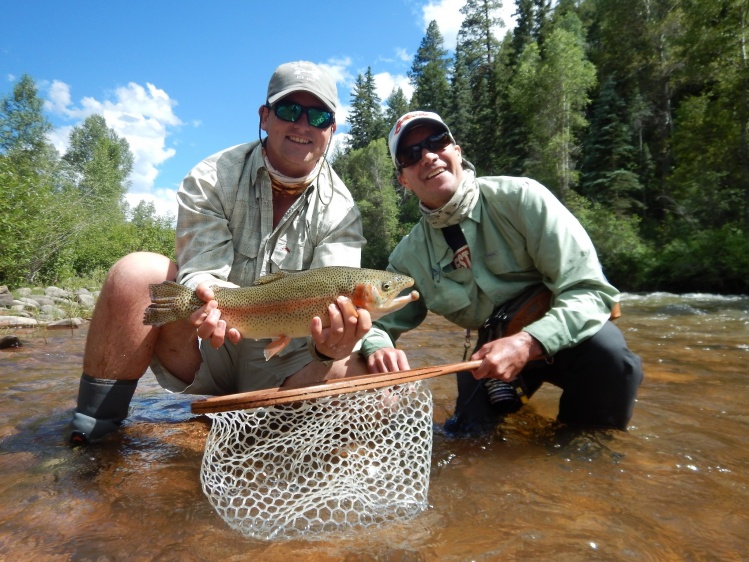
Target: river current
pixel 674 486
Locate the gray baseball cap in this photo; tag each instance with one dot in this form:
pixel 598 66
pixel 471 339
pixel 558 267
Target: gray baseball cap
pixel 303 76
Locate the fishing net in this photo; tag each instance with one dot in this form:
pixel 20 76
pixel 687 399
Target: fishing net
pixel 321 465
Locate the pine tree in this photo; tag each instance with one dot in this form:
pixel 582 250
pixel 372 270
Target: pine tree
pixel 477 49
pixel 366 120
pixel 513 143
pixel 522 33
pixel 541 11
pixel 477 32
pixel 460 113
pixel 396 105
pixel 609 166
pixel 428 73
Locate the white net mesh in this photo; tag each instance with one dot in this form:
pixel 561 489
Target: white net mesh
pixel 321 465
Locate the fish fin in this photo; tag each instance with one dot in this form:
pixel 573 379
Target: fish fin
pixel 162 308
pixel 276 346
pixel 270 278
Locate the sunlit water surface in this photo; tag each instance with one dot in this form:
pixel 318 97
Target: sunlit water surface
pixel 675 486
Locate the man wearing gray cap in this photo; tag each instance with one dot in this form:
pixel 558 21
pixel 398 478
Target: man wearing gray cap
pixel 503 256
pixel 250 210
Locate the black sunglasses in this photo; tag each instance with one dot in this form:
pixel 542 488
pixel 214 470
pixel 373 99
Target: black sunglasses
pixel 289 111
pixel 410 155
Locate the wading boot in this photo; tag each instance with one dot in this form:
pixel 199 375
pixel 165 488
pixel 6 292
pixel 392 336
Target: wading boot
pixel 102 405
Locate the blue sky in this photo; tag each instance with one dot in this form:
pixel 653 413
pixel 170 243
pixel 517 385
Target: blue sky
pixel 183 80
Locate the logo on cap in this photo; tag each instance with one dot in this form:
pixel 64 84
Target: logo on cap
pixel 408 117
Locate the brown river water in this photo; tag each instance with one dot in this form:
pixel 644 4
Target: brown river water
pixel 675 486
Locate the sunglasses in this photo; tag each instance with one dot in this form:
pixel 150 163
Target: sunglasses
pixel 410 155
pixel 288 111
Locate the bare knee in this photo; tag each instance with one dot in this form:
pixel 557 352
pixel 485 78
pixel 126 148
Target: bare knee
pixel 118 344
pixel 133 273
pixel 143 267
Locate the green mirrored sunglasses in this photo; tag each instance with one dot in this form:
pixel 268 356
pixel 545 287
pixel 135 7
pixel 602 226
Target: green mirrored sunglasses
pixel 317 117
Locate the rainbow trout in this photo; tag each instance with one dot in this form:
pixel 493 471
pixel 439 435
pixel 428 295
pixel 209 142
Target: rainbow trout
pixel 281 305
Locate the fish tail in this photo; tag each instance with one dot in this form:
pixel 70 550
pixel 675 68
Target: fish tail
pixel 169 302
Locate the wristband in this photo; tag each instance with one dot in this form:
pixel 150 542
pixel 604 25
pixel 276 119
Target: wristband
pixel 316 355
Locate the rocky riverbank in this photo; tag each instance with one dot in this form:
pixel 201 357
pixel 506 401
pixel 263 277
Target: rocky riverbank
pixel 50 307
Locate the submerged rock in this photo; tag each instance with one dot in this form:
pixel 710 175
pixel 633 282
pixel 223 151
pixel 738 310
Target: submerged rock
pixel 9 342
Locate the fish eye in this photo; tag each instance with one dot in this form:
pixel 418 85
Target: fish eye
pixel 386 285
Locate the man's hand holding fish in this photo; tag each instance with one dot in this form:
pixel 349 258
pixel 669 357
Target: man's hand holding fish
pixel 348 324
pixel 207 319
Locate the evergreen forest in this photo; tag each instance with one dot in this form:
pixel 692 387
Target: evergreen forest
pixel 635 113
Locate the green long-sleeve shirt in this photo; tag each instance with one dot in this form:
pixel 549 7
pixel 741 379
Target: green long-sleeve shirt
pixel 519 234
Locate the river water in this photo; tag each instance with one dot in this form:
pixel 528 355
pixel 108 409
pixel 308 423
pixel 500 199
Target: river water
pixel 675 486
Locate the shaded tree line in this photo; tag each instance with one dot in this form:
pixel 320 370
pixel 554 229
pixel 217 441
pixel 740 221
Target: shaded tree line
pixel 66 216
pixel 635 113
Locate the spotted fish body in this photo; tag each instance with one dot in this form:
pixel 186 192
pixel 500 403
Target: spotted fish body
pixel 281 306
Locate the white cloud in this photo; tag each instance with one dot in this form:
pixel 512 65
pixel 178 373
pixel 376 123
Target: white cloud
pixel 144 116
pixel 448 17
pixel 340 141
pixel 403 55
pixel 385 83
pixel 59 138
pixel 164 200
pixel 339 69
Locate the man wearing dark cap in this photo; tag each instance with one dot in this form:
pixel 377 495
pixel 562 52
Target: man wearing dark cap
pixel 253 209
pixel 484 247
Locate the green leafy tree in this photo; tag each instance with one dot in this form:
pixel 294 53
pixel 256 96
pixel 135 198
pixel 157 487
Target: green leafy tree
pixel 552 94
pixel 21 205
pixel 701 190
pixel 23 126
pixel 155 233
pixel 714 50
pixel 626 259
pixel 100 163
pixel 710 260
pixel 428 73
pixel 35 213
pixel 106 242
pixel 368 173
pixel 366 119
